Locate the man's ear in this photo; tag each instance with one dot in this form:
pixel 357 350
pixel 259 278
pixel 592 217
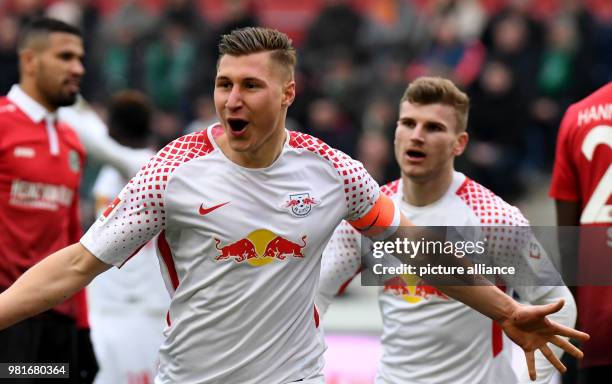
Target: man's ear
pixel 28 60
pixel 460 143
pixel 288 93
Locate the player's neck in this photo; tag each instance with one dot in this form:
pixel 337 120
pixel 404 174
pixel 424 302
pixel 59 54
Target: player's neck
pixel 30 89
pixel 260 157
pixel 424 191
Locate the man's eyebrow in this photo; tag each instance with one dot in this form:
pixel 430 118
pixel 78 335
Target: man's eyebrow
pixel 253 79
pixel 244 79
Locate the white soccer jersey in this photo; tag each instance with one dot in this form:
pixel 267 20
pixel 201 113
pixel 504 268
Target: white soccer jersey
pixel 428 337
pixel 240 250
pixel 127 306
pixel 138 285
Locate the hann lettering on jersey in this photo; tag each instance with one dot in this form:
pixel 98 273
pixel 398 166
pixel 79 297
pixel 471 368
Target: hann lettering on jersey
pixel 595 113
pixel 40 195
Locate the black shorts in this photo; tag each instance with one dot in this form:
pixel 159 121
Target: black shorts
pixel 46 338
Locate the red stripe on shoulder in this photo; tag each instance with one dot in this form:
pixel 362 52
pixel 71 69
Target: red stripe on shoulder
pixel 359 187
pixel 178 152
pixel 461 190
pixel 390 189
pixel 488 207
pixel 311 143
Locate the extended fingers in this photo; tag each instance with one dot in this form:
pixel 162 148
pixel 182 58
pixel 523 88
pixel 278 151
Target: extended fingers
pixel 529 356
pixel 552 358
pixel 547 309
pixel 562 330
pixel 567 347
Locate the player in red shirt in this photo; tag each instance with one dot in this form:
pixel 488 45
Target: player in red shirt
pixel 40 171
pixel 582 188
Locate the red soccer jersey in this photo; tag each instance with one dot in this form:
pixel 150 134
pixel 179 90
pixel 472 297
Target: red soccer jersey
pixel 38 189
pixel 582 169
pixel 583 173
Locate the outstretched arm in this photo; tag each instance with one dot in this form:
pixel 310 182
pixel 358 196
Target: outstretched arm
pixel 48 283
pixel 526 325
pixel 529 328
pixel 566 316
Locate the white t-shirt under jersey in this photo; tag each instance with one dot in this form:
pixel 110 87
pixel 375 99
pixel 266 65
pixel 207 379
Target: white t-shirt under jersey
pixel 429 338
pixel 240 250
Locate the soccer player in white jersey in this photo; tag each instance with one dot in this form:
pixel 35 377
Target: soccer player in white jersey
pixel 428 337
pixel 243 211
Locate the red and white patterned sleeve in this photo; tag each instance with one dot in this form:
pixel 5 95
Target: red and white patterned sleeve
pixel 138 214
pixel 344 258
pixel 370 212
pixel 341 262
pixel 511 242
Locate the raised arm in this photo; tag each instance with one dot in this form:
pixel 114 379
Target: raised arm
pixel 526 325
pixel 48 283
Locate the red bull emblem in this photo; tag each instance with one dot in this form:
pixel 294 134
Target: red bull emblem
pixel 280 248
pixel 301 204
pixel 412 289
pixel 240 250
pixel 260 247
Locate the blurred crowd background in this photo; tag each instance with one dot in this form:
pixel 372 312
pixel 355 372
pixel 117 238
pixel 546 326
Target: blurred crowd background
pixel 522 62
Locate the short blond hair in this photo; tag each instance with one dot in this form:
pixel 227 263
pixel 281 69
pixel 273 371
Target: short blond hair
pixel 432 90
pixel 245 41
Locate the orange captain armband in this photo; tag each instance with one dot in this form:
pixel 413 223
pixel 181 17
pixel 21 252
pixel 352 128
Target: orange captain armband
pixel 381 221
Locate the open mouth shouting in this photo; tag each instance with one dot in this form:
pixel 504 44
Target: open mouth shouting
pixel 415 155
pixel 237 126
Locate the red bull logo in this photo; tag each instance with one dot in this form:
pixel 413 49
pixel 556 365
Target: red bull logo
pixel 281 248
pixel 239 250
pixel 412 289
pixel 259 248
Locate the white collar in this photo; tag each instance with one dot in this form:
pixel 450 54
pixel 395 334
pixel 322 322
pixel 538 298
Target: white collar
pixel 28 105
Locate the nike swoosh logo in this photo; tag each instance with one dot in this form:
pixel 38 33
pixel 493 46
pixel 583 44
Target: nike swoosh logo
pixel 205 211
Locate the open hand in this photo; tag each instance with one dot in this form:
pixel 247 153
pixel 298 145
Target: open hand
pixel 529 328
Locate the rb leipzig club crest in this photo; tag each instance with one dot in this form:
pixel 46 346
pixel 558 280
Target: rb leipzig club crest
pixel 301 204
